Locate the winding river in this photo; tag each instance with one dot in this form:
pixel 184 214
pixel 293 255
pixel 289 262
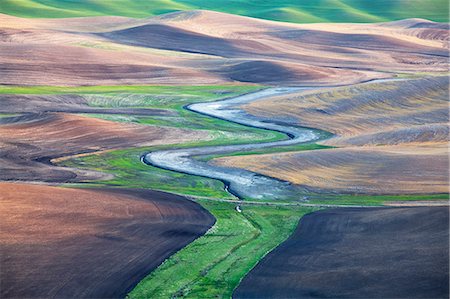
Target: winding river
pixel 239 182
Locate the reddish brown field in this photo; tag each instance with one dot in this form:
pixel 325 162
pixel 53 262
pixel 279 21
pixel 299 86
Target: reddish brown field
pixel 29 144
pixel 358 253
pixel 60 242
pixel 204 47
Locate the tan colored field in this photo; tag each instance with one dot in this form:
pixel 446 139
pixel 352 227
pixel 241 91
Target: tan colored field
pixel 396 112
pixel 29 145
pixel 203 47
pixel 394 137
pixel 373 170
pixel 54 240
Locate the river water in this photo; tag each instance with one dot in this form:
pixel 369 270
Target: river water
pixel 239 182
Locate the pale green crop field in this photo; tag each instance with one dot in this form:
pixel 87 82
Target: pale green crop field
pixel 297 11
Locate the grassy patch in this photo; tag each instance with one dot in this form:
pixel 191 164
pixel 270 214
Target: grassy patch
pixel 281 149
pixel 4 115
pixel 172 98
pixel 130 172
pixel 213 265
pixel 220 129
pixel 372 200
pixel 419 75
pixel 354 199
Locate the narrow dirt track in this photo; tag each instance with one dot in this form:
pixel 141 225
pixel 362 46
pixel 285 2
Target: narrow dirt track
pixel 358 253
pixel 72 243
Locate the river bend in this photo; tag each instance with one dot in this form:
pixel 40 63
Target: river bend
pixel 239 182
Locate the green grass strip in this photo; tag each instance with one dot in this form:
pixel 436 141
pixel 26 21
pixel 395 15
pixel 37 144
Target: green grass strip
pixel 130 172
pixel 373 200
pixel 270 150
pixel 213 265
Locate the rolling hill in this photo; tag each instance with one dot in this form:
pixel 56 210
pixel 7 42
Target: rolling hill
pixel 206 47
pixel 301 11
pixel 90 89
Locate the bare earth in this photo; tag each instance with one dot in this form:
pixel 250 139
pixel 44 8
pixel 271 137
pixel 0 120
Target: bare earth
pixel 375 170
pixel 72 243
pixel 358 253
pixel 29 144
pixel 204 47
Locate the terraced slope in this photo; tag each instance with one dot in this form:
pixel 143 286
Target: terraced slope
pixel 204 47
pixel 71 243
pixel 303 11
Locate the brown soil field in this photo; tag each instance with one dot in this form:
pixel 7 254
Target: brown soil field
pixel 368 170
pixel 204 47
pixel 28 145
pixel 394 138
pixel 358 253
pixel 73 243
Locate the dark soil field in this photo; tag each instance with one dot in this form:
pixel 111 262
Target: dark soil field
pixel 358 253
pixel 29 143
pixel 68 243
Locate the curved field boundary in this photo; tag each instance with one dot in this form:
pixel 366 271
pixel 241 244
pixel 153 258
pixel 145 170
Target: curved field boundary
pixel 96 243
pixel 214 264
pixel 242 183
pixel 358 253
